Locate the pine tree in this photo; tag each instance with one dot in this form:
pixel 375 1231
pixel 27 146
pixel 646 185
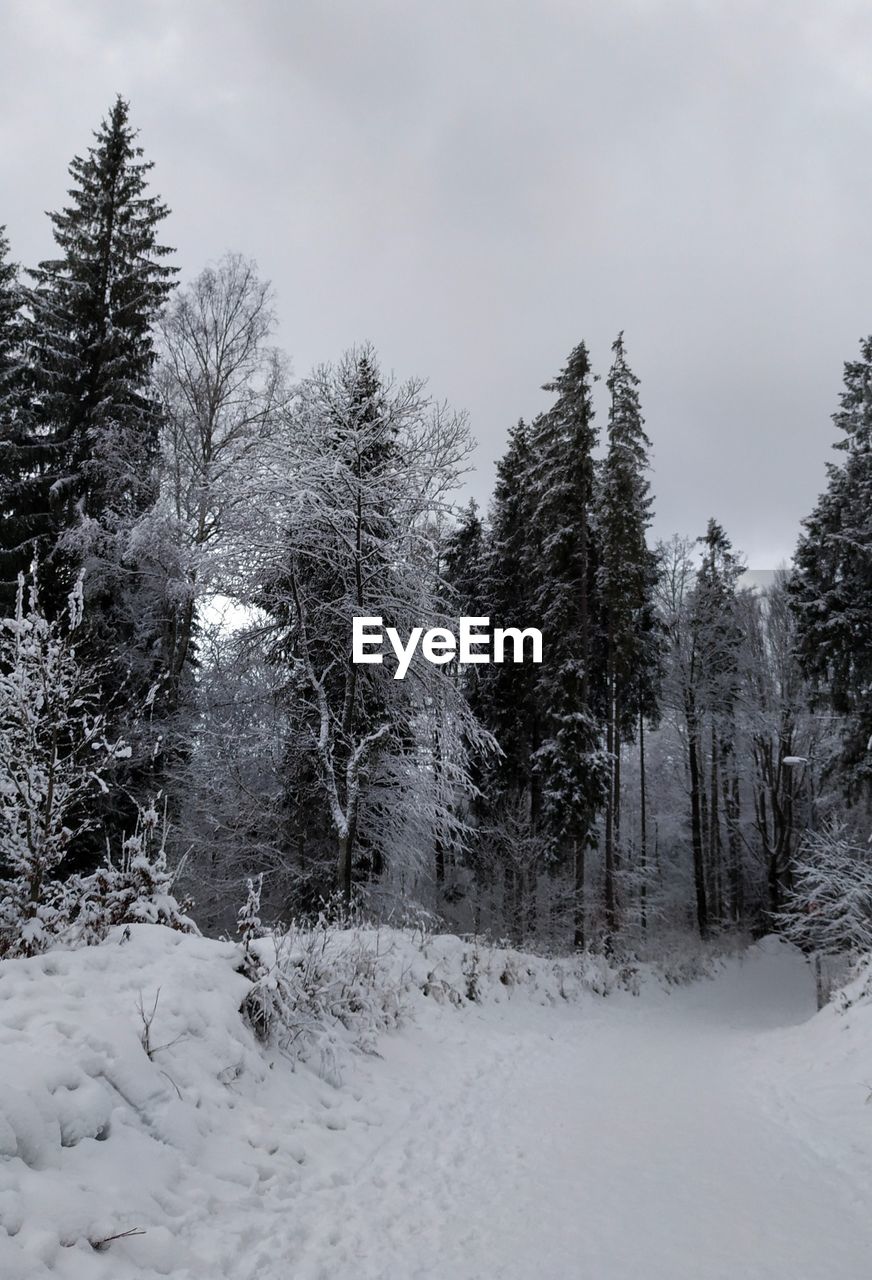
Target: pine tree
pixel 700 613
pixel 462 568
pixel 492 575
pixel 571 759
pixel 626 580
pixel 832 584
pixel 710 704
pixel 463 561
pixel 96 426
pixel 91 345
pixel 505 695
pixel 11 325
pixel 20 449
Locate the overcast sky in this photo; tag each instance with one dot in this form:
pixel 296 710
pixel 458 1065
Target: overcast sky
pixel 476 185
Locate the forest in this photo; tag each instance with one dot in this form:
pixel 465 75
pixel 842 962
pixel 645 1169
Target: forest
pixel 187 533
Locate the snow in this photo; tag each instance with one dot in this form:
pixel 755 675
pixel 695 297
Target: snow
pixel 707 1131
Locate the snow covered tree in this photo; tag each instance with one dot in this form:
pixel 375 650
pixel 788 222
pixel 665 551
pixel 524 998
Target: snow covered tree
pixel 777 725
pixel 717 637
pixel 626 580
pixel 832 583
pixel 681 693
pixel 234 793
pixel 351 528
pixel 135 888
pixel 223 389
pixel 699 610
pixel 54 753
pixel 570 688
pixel 248 923
pixel 829 908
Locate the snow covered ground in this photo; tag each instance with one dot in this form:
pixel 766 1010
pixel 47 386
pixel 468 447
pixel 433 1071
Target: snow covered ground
pixel 701 1132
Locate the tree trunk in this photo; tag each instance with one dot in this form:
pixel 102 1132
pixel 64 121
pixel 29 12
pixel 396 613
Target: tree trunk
pixel 732 814
pixel 714 845
pixel 616 795
pixel 696 826
pixel 609 851
pixel 512 897
pixel 344 869
pixel 643 832
pixel 440 861
pixel 346 858
pixel 531 903
pixel 578 939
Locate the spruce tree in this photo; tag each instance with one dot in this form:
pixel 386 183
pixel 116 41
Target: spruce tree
pixel 11 328
pixel 462 569
pixel 463 561
pixel 95 429
pixel 20 448
pixel 571 760
pixel 492 573
pixel 506 695
pixel 832 583
pixel 626 581
pixel 92 314
pixel 717 637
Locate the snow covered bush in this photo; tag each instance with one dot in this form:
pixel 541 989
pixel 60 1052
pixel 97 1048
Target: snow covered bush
pixel 137 889
pixel 316 989
pixel 829 909
pixel 248 923
pixel 321 991
pixel 53 753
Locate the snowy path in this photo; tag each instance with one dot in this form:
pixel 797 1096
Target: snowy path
pixel 708 1133
pixel 632 1140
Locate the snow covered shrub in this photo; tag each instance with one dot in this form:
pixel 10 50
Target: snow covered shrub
pixel 257 1007
pixel 471 972
pixel 677 960
pixel 53 752
pixel 317 987
pixel 829 909
pixel 137 889
pixel 600 975
pixel 857 989
pixel 248 924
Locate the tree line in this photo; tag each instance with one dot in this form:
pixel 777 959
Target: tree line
pixel 186 533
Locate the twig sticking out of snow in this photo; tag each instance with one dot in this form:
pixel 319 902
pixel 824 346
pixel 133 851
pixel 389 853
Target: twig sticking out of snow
pixel 101 1245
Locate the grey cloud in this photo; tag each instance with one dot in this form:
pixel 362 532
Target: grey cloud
pixel 476 186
